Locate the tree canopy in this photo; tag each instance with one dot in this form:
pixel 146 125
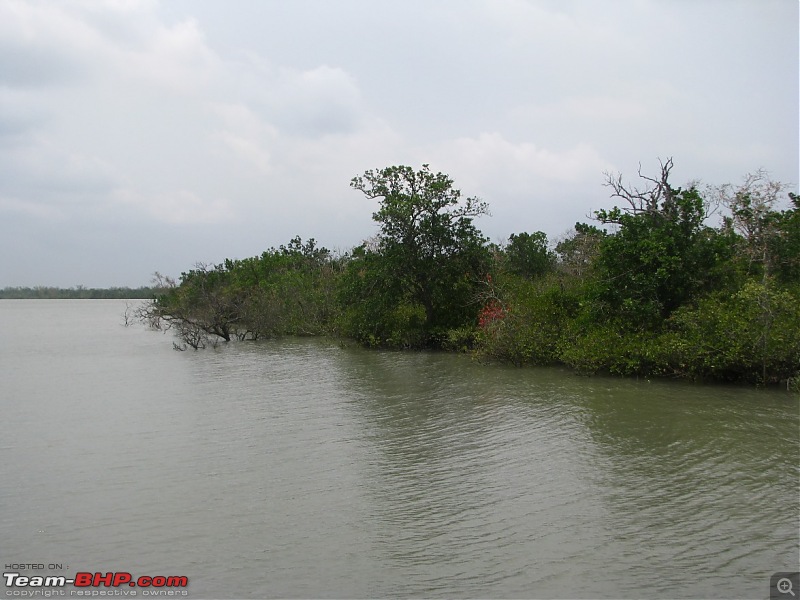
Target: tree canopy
pixel 651 289
pixel 428 245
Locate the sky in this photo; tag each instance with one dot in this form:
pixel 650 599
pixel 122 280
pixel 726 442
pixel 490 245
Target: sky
pixel 140 136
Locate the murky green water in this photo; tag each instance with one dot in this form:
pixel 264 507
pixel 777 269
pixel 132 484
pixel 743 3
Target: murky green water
pixel 299 468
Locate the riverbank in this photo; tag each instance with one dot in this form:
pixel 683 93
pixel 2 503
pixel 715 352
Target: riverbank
pixel 651 290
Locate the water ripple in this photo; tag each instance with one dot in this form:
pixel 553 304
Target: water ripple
pixel 299 468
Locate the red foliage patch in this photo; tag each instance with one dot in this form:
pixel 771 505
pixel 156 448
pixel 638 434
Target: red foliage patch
pixel 491 312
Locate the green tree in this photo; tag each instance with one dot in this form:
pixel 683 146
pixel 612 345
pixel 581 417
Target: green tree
pixel 203 304
pixel 528 254
pixel 771 237
pixel 290 290
pixel 750 335
pixel 786 246
pixel 429 253
pixel 661 255
pixel 577 253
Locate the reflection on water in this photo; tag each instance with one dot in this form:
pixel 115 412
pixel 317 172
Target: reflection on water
pixel 301 468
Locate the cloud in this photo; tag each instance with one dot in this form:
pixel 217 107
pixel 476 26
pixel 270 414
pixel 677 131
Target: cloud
pixel 246 135
pixel 611 108
pixel 20 114
pixel 116 43
pixel 315 102
pixel 175 58
pixel 142 113
pixel 38 166
pixel 528 187
pixel 29 209
pixel 39 45
pixel 130 115
pixel 490 161
pixel 181 207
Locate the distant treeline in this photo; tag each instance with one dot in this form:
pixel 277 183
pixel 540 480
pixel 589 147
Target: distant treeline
pixel 651 289
pixel 77 293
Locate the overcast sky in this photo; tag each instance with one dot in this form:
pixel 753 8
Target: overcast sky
pixel 138 135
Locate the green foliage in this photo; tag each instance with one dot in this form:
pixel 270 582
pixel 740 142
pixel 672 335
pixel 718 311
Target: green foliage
pixel 785 243
pixel 429 255
pixel 768 238
pixel 610 348
pixel 290 290
pixel 528 254
pixel 661 294
pixel 373 307
pixel 751 335
pixel 576 255
pixel 529 328
pixel 461 339
pixel 657 260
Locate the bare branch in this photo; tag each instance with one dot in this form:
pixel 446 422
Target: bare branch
pixel 652 198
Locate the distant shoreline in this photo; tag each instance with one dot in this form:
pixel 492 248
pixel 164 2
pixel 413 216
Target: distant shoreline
pixel 78 293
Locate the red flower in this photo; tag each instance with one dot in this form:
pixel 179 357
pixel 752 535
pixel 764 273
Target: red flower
pixel 491 312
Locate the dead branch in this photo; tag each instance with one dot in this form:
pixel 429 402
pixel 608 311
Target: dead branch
pixel 654 197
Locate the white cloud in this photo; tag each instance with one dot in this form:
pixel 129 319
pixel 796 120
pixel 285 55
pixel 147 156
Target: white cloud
pixel 257 116
pixel 528 187
pixel 611 108
pixel 28 208
pixel 248 137
pixel 42 168
pixel 318 101
pixel 120 42
pixel 181 207
pixel 176 58
pixel 491 161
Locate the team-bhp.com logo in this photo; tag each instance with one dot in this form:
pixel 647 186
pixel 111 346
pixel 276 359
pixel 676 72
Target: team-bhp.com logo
pixel 156 585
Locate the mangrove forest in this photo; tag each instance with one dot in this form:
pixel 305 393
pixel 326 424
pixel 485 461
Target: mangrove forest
pixel 674 282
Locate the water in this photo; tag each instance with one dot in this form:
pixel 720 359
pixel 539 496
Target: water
pixel 301 468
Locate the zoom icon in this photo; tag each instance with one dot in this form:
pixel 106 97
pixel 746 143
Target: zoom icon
pixel 784 586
